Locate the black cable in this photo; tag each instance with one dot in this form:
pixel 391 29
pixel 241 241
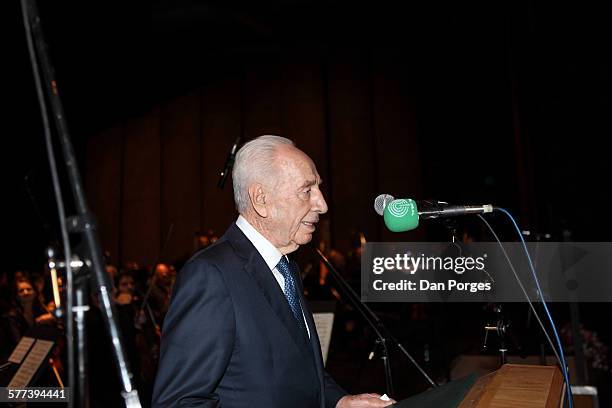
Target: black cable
pixel 518 280
pixel 564 370
pixel 370 317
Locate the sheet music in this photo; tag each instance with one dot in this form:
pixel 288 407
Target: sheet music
pixel 33 361
pixel 21 350
pixel 324 323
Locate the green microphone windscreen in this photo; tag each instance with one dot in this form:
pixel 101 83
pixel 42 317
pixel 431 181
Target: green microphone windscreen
pixel 401 215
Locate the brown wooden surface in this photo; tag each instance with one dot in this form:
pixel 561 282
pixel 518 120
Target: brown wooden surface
pixel 180 175
pixel 353 112
pixel 221 124
pixel 141 186
pixel 514 386
pixel 103 185
pixel 473 397
pixel 352 148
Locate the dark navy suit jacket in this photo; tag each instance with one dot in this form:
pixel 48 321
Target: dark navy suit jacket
pixel 229 338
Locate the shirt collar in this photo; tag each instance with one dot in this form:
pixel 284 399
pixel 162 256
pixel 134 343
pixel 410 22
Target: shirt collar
pixel 268 252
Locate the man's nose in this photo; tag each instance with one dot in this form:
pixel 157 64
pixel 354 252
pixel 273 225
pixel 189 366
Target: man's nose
pixel 320 206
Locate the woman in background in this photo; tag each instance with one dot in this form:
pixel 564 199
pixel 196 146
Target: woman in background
pixel 24 311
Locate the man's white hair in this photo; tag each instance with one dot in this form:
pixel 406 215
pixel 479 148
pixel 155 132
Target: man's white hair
pixel 255 162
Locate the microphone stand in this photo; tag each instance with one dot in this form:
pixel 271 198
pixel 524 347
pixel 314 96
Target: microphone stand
pixel 384 336
pixel 83 224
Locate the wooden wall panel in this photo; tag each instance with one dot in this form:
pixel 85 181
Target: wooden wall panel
pixel 352 164
pixel 180 175
pixel 304 116
pixel 103 169
pixel 397 148
pixel 140 221
pixel 221 125
pixel 262 98
pixel 303 108
pixel 351 112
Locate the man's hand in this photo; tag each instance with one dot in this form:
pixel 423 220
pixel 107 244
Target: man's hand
pixel 363 401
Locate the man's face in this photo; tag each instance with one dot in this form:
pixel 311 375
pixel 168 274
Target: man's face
pixel 296 201
pixel 162 271
pixel 165 274
pixel 112 271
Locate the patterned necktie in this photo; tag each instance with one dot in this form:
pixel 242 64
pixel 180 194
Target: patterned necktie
pixel 287 270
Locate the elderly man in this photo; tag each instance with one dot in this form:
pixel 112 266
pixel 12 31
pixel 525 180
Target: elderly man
pixel 238 332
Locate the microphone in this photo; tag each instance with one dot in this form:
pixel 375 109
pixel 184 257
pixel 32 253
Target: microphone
pixel 381 202
pixel 229 163
pixel 403 214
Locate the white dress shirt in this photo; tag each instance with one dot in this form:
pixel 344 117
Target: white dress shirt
pixel 268 252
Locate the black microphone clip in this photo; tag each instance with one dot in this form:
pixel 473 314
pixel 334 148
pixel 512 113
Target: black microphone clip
pixel 229 163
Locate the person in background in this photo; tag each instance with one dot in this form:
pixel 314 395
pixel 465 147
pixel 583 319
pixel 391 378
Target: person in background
pixel 24 312
pixel 161 290
pixel 126 287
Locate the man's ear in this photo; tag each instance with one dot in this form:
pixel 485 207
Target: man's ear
pixel 258 199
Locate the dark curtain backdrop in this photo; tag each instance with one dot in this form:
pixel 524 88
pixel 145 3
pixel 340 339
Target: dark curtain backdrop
pixel 353 113
pixel 502 102
pixel 480 102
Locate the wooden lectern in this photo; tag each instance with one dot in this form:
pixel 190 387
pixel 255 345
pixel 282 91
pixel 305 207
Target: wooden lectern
pixel 515 385
pixel 512 386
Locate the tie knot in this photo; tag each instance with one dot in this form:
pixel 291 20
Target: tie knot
pixel 284 267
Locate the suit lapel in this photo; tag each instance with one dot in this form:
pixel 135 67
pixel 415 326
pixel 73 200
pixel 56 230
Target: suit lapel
pixel 256 267
pixel 314 337
pixel 316 349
